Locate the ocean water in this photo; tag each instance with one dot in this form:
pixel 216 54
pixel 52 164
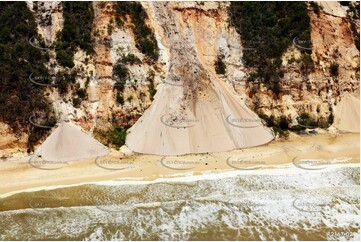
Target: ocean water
pixel 287 204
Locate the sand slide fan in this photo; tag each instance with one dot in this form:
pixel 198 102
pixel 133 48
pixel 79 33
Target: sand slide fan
pixel 347 113
pixel 68 142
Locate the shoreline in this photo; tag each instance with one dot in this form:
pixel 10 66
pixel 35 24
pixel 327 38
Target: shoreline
pixel 19 176
pixel 182 178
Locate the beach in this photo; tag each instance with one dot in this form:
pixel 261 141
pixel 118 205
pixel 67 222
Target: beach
pixel 304 188
pixel 282 203
pixel 23 173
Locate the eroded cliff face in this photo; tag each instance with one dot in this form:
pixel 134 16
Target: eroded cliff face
pixel 193 107
pixel 317 91
pixel 190 37
pixel 49 17
pixel 206 33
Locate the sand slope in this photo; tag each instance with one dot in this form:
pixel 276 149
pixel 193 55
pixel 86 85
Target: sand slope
pixel 69 142
pixel 334 8
pixel 216 124
pixel 347 114
pixel 193 111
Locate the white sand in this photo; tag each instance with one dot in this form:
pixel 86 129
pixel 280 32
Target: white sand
pixel 334 8
pixel 17 174
pixel 347 114
pixel 217 123
pixel 193 111
pixel 68 143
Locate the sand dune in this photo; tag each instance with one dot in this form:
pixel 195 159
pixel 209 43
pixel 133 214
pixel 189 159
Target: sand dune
pixel 68 143
pixel 347 114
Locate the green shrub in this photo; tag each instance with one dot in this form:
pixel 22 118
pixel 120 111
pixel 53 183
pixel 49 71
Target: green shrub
pixel 152 90
pixel 87 81
pixel 118 21
pixel 219 65
pixel 119 99
pixel 356 35
pixel 267 30
pixel 354 9
pixel 353 15
pixel 78 19
pixel 82 94
pixel 148 47
pixel 344 3
pixel 334 69
pixel 65 58
pixel 323 123
pixel 142 96
pixel 316 8
pixel 330 119
pixel 76 102
pixel 130 98
pixel 297 128
pixel 19 98
pixel 284 123
pixel 110 29
pixel 253 76
pixel 130 59
pixel 117 136
pixel 144 36
pixel 269 120
pixel 64 80
pixel 305 119
pixel 113 137
pixel 121 74
pixel 269 27
pixel 306 64
pixel 120 71
pixel 279 127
